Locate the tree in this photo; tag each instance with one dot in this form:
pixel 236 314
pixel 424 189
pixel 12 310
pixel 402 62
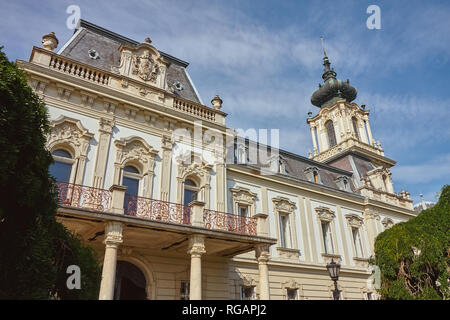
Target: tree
pixel 413 256
pixel 35 249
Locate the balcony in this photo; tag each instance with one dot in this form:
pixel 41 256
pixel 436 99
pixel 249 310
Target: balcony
pixel 217 220
pixel 116 201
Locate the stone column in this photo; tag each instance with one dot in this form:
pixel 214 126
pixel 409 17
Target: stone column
pixel 113 238
pixel 196 249
pixel 262 255
pixel 105 127
pixel 166 145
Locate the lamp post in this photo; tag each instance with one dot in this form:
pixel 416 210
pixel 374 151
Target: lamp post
pixel 333 269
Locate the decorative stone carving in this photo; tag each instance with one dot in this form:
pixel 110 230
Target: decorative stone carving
pixel 106 125
pixel 283 204
pixel 69 131
pixel 143 63
pixel 49 41
pixel 354 220
pixel 196 245
pixel 87 99
pixel 199 172
pixel 290 284
pixel 325 214
pixel 135 150
pixel 387 223
pixel 243 196
pixel 145 66
pixel 113 233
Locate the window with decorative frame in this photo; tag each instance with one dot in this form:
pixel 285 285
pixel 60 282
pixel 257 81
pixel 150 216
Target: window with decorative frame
pixel 243 200
pixel 284 215
pixel 69 143
pixel 355 223
pixel 312 174
pixel 292 290
pixel 325 218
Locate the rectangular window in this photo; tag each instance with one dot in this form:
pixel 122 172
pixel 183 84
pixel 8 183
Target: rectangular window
pixel 357 242
pixel 291 294
pixel 327 238
pixel 285 231
pixel 184 290
pixel 248 293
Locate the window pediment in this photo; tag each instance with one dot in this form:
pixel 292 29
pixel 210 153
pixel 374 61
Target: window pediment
pixel 325 214
pixel 69 131
pixel 354 220
pixel 135 149
pixel 243 195
pixel 283 204
pixel 290 284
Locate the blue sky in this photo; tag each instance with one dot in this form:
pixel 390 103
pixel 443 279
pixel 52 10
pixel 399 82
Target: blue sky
pixel 264 59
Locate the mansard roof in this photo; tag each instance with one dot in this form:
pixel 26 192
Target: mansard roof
pixel 89 36
pixel 296 168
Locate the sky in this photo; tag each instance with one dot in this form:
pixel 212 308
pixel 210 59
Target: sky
pixel 264 59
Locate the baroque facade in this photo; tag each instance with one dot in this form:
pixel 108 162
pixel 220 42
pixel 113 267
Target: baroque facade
pixel 175 224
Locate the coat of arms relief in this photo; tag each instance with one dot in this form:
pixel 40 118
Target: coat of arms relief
pixel 145 66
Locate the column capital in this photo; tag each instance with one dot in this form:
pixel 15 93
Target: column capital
pixel 113 234
pixel 196 245
pixel 262 253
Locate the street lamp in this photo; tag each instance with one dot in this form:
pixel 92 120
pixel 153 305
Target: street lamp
pixel 333 269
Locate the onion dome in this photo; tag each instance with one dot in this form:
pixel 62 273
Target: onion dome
pixel 332 89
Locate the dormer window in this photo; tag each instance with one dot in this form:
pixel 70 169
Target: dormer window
pixel 343 183
pixel 312 174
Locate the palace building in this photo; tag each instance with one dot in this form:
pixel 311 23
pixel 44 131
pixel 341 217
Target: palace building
pixel 206 222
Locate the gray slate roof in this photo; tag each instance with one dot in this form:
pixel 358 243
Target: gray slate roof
pixel 107 45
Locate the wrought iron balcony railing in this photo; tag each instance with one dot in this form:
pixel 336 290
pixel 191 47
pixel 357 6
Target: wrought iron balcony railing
pixel 79 196
pixel 156 210
pixel 89 198
pixel 229 222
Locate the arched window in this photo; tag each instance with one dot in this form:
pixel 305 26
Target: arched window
pixel 190 191
pixel 61 169
pixel 355 127
pixel 131 178
pixel 331 134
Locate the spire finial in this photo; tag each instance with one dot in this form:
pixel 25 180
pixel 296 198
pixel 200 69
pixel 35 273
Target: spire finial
pixel 323 46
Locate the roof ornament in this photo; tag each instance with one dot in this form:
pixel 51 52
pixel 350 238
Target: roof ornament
pixel 332 89
pixel 49 41
pixel 217 102
pixel 148 40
